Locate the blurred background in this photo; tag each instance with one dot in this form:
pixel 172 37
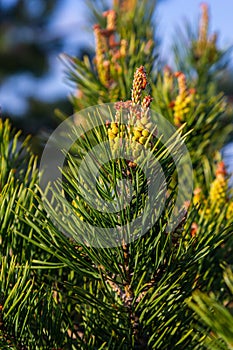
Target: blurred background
pixel 33 33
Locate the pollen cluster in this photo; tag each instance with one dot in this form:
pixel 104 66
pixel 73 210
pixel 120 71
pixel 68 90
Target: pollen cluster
pixel 218 197
pixel 109 52
pixel 137 130
pixel 183 101
pixel 218 189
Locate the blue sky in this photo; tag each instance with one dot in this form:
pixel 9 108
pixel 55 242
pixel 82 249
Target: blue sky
pixel 71 19
pixel 172 13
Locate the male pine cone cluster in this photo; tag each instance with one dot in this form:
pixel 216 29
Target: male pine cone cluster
pixel 137 131
pixel 219 194
pixel 184 101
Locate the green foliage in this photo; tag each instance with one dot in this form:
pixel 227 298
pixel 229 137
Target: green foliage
pixel 17 179
pixel 60 291
pixel 217 317
pixel 31 316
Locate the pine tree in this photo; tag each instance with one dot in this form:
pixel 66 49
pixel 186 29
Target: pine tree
pixel 130 289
